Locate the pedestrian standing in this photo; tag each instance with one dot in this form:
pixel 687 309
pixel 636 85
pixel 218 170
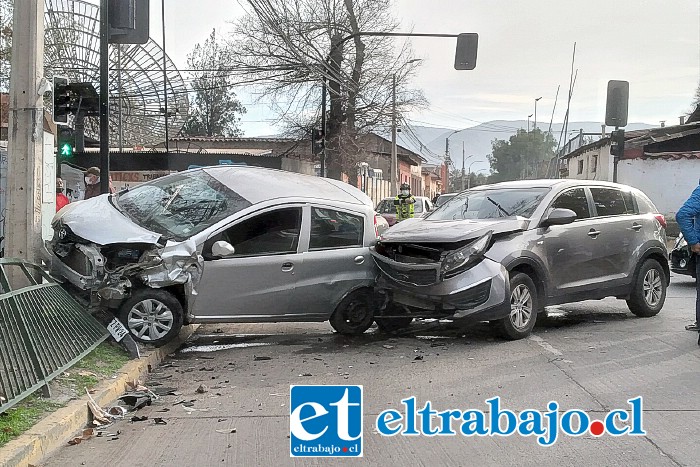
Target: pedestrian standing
pixel 61 199
pixel 688 218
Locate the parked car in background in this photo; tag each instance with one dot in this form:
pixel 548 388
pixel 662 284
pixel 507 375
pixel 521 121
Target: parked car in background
pixel 683 261
pixel 444 198
pixel 222 244
pixel 503 252
pixel 387 209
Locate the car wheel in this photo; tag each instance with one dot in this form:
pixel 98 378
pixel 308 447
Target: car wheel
pixel 523 308
pixel 355 313
pixel 152 316
pixel 649 290
pixel 392 325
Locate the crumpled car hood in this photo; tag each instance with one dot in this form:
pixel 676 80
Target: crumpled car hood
pixel 449 231
pixel 96 220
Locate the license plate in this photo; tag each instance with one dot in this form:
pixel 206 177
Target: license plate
pixel 117 329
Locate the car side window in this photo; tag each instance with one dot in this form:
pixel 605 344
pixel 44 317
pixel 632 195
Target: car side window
pixel 335 229
pixel 645 205
pixel 386 207
pixel 270 233
pixel 575 200
pixel 608 202
pixel 630 205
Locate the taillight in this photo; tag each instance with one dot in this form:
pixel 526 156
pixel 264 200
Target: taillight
pixel 661 219
pixel 376 230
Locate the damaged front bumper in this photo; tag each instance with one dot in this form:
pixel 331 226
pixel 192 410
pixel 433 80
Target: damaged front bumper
pixel 83 266
pixel 480 293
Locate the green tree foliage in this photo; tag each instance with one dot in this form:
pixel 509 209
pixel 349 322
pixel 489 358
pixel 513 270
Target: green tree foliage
pixel 470 180
pixel 696 99
pixel 216 110
pixel 521 156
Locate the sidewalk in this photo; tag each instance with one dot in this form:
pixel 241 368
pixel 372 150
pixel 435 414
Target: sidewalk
pixel 56 429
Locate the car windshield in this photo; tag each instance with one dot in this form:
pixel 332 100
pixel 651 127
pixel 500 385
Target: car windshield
pixel 386 206
pixel 181 205
pixel 443 199
pixel 491 204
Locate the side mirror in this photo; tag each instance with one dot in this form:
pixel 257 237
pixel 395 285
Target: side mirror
pixel 222 249
pixel 559 216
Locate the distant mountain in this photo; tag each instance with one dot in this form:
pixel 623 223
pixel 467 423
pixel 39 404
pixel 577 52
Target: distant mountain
pixel 430 141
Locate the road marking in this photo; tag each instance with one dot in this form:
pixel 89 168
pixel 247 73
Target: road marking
pixel 546 345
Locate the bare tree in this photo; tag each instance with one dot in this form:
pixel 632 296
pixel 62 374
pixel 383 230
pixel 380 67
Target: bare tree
pixel 286 48
pixel 216 109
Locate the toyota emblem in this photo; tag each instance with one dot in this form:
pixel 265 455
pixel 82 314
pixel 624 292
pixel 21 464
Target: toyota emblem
pixel 62 234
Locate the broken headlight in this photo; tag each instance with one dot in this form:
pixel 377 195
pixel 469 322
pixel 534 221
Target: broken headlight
pixel 460 260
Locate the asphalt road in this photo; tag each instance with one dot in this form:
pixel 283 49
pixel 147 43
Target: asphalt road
pixel 592 356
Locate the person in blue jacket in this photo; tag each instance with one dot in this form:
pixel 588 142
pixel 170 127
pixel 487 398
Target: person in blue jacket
pixel 688 218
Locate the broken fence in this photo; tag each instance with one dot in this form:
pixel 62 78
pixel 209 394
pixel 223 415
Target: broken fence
pixel 43 331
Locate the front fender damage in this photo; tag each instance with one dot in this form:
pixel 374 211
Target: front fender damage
pixel 177 263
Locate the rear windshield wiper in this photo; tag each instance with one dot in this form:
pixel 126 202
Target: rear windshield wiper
pixel 499 207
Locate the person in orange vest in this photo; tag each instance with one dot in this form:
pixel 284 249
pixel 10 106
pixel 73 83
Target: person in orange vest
pixel 61 199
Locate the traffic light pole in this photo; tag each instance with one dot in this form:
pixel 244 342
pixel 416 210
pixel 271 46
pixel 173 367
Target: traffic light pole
pixel 26 130
pixel 616 158
pixel 104 96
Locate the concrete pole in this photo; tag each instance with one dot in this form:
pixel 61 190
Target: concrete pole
pixel 26 133
pixel 394 156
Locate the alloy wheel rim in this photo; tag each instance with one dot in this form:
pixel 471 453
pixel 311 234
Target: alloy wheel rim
pixel 150 320
pixel 653 288
pixel 355 313
pixel 520 307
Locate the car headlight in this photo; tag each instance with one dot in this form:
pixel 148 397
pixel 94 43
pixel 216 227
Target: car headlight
pixel 680 242
pixel 463 258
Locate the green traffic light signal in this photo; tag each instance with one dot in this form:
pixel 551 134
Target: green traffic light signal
pixel 67 150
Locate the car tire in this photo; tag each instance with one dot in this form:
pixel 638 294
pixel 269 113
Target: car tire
pixel 524 304
pixel 355 313
pixel 152 316
pixel 648 290
pixel 395 324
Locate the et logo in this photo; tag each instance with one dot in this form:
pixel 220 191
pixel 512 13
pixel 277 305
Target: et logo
pixel 325 421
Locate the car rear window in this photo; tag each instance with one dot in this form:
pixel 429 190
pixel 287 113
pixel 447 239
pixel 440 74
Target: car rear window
pixel 644 204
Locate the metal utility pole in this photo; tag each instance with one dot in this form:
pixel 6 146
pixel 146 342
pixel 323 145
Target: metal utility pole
pixel 104 96
pixel 534 127
pixel 462 165
pixel 394 156
pixel 26 133
pixel 165 83
pixel 323 128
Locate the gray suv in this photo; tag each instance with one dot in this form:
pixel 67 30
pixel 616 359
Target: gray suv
pixel 503 252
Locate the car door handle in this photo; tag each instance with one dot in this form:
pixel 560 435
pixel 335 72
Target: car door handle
pixel 636 227
pixel 359 259
pixel 593 233
pixel 288 266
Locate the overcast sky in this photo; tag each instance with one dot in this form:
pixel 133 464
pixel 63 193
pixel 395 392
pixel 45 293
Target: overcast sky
pixel 525 50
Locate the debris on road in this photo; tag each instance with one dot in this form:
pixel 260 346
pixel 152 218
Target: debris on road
pixel 259 358
pixel 160 421
pixel 305 374
pixel 226 432
pixel 139 419
pixel 386 346
pixel 202 389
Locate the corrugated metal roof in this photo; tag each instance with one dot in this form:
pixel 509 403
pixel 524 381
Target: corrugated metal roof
pixel 222 139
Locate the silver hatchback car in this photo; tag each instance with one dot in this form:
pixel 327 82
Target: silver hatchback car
pixel 222 244
pixel 503 252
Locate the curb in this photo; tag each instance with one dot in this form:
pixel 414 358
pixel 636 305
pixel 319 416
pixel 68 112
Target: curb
pixel 56 429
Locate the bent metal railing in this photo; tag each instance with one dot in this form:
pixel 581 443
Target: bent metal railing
pixel 43 331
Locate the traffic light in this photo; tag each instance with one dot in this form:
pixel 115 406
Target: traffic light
pixel 317 141
pixel 66 142
pixel 617 143
pixel 61 99
pixel 617 103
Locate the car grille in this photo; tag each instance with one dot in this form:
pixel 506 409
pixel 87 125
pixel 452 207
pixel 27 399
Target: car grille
pixel 417 277
pixel 78 262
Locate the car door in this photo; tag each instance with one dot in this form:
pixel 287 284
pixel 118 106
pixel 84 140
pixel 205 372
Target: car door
pixel 570 248
pixel 257 282
pixel 618 228
pixel 336 261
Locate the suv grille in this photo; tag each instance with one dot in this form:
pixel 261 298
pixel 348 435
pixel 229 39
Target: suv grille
pixel 417 277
